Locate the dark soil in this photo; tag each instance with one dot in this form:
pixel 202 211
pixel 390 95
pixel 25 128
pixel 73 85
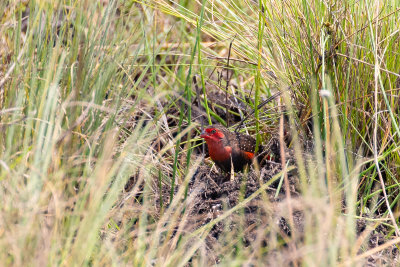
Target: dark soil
pixel 218 193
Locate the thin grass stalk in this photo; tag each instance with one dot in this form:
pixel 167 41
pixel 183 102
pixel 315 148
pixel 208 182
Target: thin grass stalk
pixel 317 131
pixel 154 86
pixel 188 89
pixel 258 72
pixel 203 87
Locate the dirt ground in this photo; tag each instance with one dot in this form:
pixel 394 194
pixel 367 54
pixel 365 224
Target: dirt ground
pixel 215 193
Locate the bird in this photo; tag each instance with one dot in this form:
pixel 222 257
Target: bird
pixel 229 149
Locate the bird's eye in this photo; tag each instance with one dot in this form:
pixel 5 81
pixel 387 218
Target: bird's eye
pixel 213 131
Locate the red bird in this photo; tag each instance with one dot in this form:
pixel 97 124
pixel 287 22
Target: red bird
pixel 227 148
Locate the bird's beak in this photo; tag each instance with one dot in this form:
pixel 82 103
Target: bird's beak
pixel 203 134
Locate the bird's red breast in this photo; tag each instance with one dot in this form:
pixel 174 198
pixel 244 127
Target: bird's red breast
pixel 215 140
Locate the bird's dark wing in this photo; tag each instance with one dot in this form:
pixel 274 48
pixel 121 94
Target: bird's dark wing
pixel 246 143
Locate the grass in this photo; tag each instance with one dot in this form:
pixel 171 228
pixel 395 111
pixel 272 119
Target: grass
pixel 97 95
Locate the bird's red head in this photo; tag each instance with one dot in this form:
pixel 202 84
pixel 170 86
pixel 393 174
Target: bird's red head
pixel 212 134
